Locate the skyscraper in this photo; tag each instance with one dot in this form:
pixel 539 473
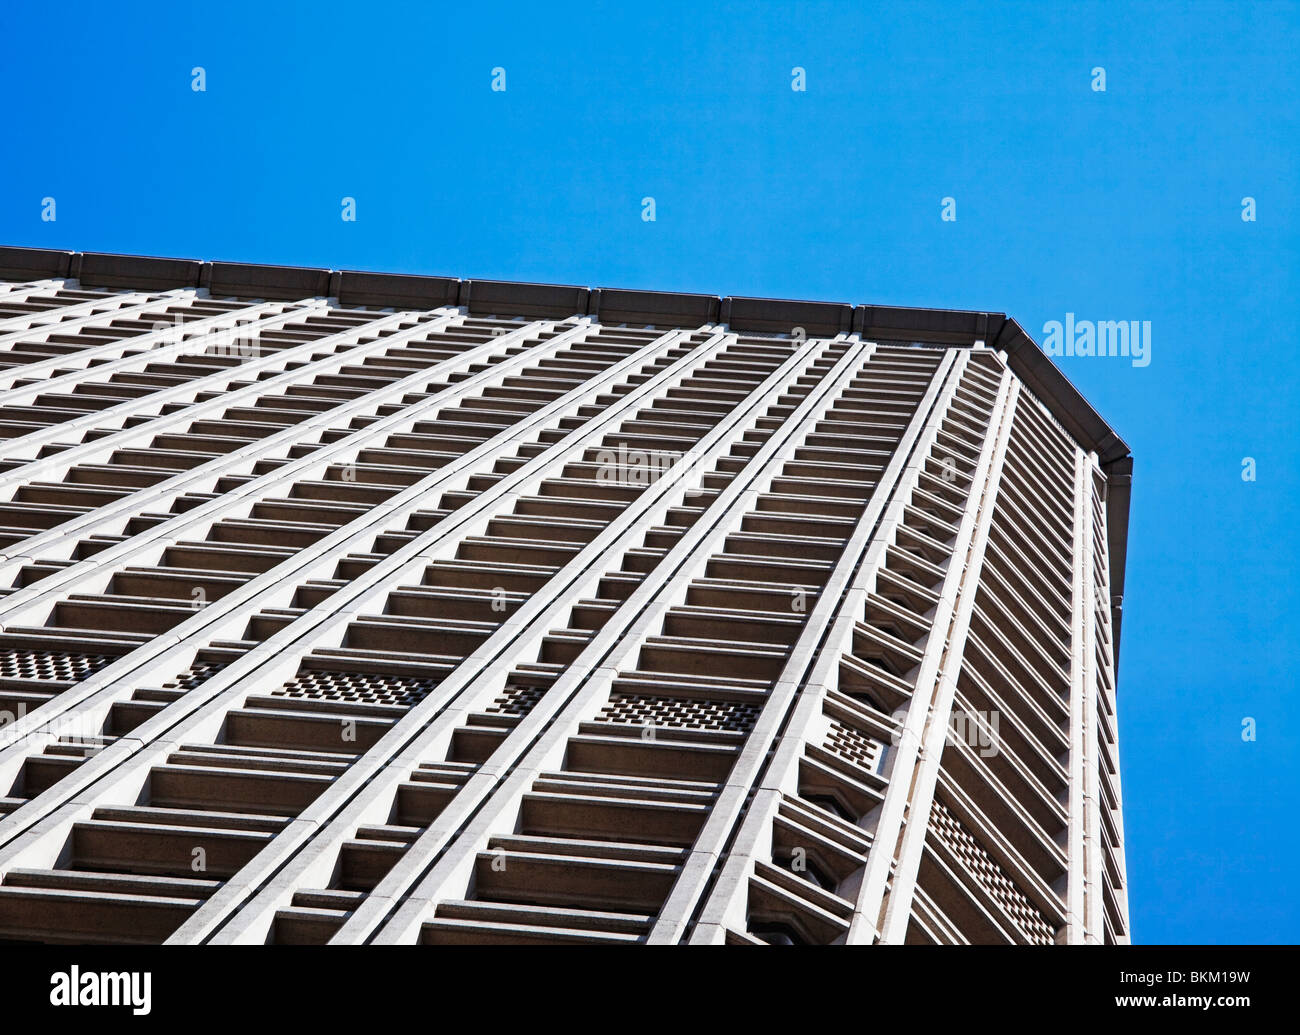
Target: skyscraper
pixel 372 608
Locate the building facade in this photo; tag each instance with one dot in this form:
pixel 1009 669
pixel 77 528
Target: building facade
pixel 365 608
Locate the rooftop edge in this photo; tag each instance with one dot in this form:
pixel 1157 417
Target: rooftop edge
pixel 954 327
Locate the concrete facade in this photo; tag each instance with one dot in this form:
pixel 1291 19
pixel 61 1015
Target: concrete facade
pixel 376 609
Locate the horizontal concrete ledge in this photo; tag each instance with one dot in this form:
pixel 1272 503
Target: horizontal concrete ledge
pixel 667 308
pixel 781 316
pixel 518 298
pixel 99 269
pixel 397 290
pixel 251 280
pixel 941 326
pixel 34 263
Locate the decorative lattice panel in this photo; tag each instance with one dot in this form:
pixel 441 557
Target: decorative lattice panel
pixel 984 868
pixel 64 666
pixel 517 699
pixel 358 687
pixel 853 746
pixel 688 713
pixel 198 673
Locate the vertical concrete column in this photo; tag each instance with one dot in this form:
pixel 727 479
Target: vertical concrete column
pixel 1103 700
pixel 724 908
pixel 273 660
pixel 1085 631
pixel 885 897
pixel 833 613
pixel 586 683
pixel 40 465
pixel 1082 826
pixel 75 317
pixel 35 728
pixel 20 291
pixel 115 351
pixel 65 536
pixel 484 673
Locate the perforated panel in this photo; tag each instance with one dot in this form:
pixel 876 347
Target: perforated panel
pixel 679 712
pixel 984 868
pixel 197 674
pixel 518 699
pixel 64 666
pixel 358 688
pixel 853 746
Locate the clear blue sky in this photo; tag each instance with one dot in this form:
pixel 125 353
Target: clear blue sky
pixel 1122 205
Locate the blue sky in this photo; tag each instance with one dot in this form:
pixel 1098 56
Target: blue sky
pixel 1116 205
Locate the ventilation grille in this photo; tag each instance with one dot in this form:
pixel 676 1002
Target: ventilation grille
pixel 854 747
pixel 358 688
pixel 994 879
pixel 518 699
pixel 679 712
pixel 54 665
pixel 196 675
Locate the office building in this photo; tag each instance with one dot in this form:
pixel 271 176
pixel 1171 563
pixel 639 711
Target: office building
pixel 369 609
